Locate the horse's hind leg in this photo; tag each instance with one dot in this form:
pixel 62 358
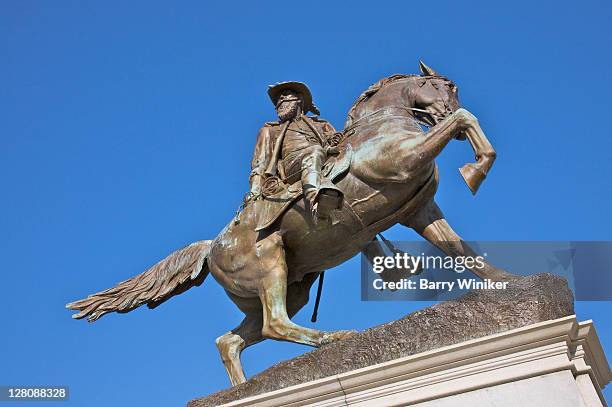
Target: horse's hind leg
pixel 249 333
pixel 430 223
pixel 273 296
pixel 246 334
pixel 234 342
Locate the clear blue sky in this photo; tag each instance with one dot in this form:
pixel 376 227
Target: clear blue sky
pixel 127 131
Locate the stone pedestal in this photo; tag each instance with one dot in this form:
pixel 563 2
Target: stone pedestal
pixel 554 363
pixel 521 347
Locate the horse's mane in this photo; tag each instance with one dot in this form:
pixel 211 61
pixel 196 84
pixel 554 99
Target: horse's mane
pixel 375 87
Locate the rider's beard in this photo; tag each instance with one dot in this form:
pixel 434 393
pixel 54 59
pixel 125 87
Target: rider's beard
pixel 288 111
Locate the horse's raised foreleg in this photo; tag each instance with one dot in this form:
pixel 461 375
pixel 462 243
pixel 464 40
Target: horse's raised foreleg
pixel 461 122
pixel 273 296
pixel 430 223
pixel 436 139
pixel 475 173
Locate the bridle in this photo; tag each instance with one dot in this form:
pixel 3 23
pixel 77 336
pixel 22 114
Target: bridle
pixel 425 117
pixel 422 116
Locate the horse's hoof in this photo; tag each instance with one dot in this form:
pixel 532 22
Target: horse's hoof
pixel 473 176
pixel 338 336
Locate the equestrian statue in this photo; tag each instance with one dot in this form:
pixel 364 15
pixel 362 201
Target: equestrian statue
pixel 317 198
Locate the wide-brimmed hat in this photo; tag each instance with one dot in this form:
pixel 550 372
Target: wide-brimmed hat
pixel 275 91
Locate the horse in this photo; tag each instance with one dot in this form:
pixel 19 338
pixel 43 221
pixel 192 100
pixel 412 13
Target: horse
pixel 392 179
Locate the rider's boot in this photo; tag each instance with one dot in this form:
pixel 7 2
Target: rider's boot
pixel 321 195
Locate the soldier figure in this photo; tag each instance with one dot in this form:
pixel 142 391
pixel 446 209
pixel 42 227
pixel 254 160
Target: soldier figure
pixel 295 148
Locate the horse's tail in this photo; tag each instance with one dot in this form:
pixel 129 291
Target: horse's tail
pixel 183 269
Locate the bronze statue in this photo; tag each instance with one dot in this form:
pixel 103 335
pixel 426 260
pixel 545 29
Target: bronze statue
pixel 269 255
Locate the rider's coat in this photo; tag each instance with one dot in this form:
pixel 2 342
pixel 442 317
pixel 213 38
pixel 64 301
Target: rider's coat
pixel 298 140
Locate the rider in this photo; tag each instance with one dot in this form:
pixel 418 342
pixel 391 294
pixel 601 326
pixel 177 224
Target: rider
pixel 295 148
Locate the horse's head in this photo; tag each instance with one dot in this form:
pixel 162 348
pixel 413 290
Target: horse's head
pixel 435 96
pixel 430 97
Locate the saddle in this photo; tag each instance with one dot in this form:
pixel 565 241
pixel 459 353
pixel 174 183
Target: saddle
pixel 278 196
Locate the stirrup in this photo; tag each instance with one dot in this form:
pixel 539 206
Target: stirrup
pixel 327 200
